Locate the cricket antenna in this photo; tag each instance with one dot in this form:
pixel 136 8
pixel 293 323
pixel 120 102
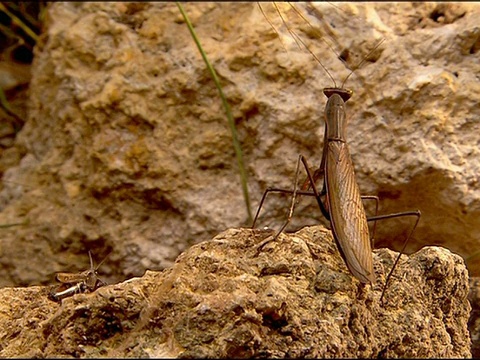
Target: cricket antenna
pixel 101 262
pixel 91 260
pixel 92 267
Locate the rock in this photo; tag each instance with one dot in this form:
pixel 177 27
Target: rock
pixel 225 299
pixel 474 321
pixel 127 149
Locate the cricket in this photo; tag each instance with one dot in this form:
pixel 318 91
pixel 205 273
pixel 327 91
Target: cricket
pixel 76 283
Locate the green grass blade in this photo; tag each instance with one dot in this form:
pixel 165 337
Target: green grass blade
pixel 231 122
pixel 17 21
pixel 4 226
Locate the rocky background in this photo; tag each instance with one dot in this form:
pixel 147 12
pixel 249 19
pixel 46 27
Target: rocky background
pixel 126 149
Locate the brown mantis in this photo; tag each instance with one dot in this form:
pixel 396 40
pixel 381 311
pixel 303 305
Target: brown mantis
pixel 75 283
pixel 340 200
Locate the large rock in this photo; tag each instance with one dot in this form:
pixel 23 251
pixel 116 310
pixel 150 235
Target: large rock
pixel 128 149
pixel 474 321
pixel 225 299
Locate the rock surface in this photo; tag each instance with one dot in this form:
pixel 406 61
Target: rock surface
pixel 474 321
pixel 224 298
pixel 126 147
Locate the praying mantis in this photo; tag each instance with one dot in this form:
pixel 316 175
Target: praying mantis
pixel 340 200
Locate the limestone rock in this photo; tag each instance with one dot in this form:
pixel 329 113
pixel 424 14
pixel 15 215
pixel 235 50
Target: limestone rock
pixel 126 147
pixel 295 298
pixel 474 321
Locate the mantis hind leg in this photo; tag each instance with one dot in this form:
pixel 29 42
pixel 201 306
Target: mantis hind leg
pixel 415 213
pixel 310 181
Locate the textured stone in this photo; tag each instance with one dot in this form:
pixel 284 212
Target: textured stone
pixel 474 321
pixel 127 147
pixel 225 299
